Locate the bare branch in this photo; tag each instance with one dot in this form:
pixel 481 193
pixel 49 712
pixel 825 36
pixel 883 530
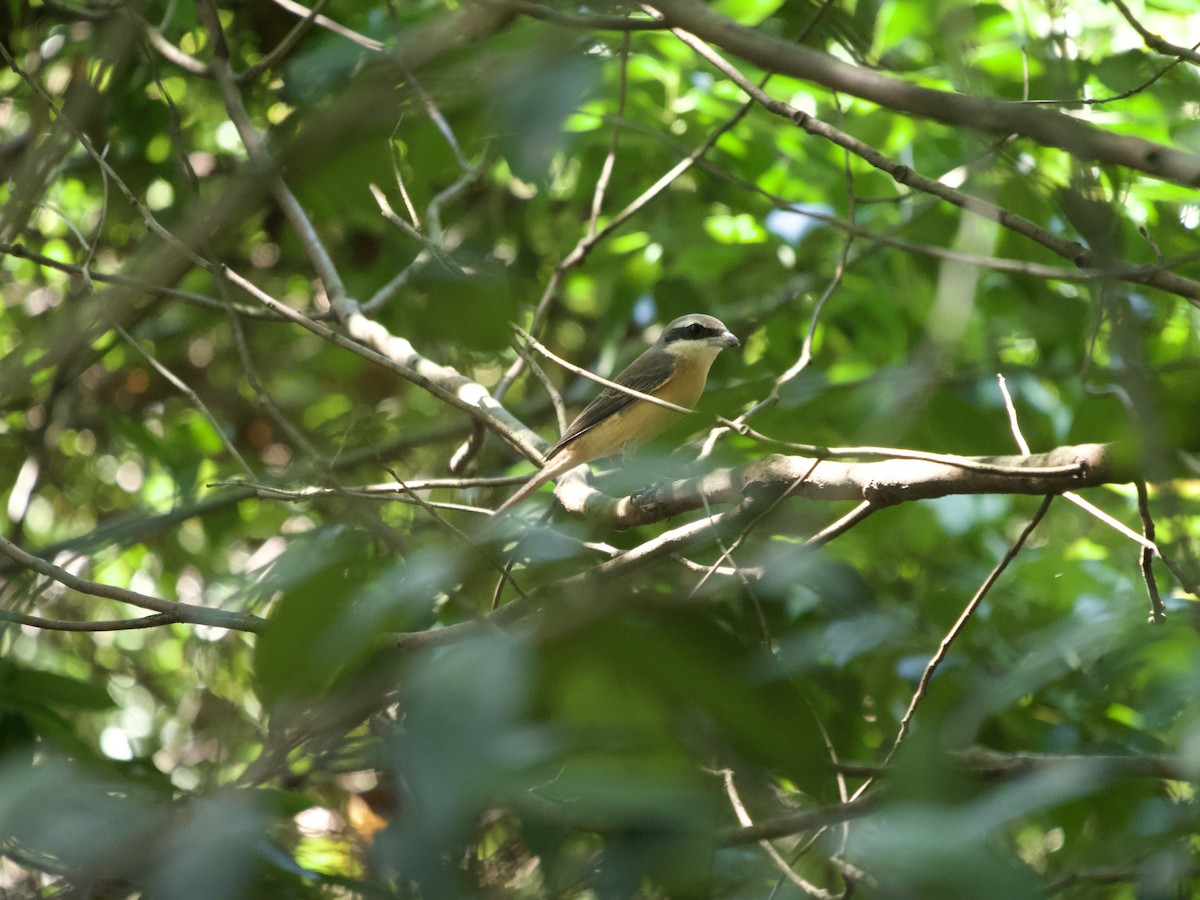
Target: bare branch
pixel 958 626
pixel 1071 250
pixel 183 387
pixel 797 823
pixel 290 40
pixel 914 480
pixel 398 355
pixel 985 114
pixel 176 611
pixel 337 28
pixel 256 147
pixel 591 376
pixel 1154 41
pixel 1158 612
pixel 881 483
pixel 45 624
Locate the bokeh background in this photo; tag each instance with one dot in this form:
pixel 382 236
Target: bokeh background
pixel 585 173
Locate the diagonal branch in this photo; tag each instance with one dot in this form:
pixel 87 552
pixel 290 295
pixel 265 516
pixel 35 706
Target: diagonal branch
pixel 376 344
pixel 592 376
pixel 985 114
pixel 1155 276
pixel 256 148
pixel 176 611
pixel 956 629
pixel 1154 41
pixel 796 823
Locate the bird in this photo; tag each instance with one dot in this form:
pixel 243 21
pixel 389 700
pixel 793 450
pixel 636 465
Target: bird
pixel 674 368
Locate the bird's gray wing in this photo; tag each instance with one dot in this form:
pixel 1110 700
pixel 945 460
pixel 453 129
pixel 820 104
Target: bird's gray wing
pixel 645 374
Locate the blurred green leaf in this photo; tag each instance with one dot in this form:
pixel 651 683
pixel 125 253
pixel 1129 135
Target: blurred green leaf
pixel 20 686
pixel 570 711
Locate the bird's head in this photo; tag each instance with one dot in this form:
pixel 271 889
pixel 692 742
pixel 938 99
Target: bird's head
pixel 696 335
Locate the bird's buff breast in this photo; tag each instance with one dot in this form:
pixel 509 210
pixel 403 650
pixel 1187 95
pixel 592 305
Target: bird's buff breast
pixel 641 419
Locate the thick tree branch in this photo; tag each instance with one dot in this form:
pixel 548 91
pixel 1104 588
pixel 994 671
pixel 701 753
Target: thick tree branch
pixel 986 114
pixel 883 483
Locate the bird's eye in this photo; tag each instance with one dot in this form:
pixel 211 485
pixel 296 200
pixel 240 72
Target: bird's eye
pixel 695 330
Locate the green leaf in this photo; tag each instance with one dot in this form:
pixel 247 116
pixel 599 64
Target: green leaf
pixel 24 687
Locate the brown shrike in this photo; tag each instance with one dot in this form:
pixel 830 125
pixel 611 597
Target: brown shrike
pixel 674 368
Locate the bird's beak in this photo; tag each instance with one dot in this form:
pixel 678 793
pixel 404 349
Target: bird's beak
pixel 726 339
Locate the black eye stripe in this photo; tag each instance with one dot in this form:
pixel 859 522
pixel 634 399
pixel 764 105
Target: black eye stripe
pixel 693 332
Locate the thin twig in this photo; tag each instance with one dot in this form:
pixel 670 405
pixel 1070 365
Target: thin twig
pixel 505 569
pixel 330 25
pixel 256 148
pixel 556 400
pixel 1086 505
pixel 958 626
pixel 591 376
pixel 905 175
pixel 45 624
pixel 285 46
pixel 842 525
pixel 433 227
pixel 745 821
pixel 385 208
pixel 610 158
pixel 184 389
pixel 1115 524
pixel 383 489
pixel 1153 40
pixel 179 612
pixel 827 534
pixel 439 121
pixel 1158 612
pixel 442 382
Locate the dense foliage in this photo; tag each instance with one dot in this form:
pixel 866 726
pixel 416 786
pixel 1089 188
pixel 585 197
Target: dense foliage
pixel 260 269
